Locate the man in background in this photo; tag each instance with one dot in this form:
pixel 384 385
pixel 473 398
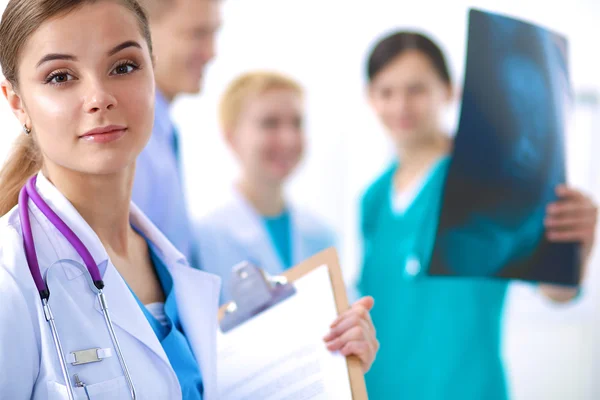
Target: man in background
pixel 183 35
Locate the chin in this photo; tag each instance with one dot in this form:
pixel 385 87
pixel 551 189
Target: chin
pixel 403 138
pixel 406 138
pixel 278 177
pixel 193 87
pixel 109 166
pixel 403 131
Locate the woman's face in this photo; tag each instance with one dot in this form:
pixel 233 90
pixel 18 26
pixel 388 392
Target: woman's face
pixel 86 89
pixel 409 97
pixel 269 138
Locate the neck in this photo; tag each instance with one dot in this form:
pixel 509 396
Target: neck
pixel 169 95
pixel 415 160
pixel 103 202
pixel 424 152
pixel 267 199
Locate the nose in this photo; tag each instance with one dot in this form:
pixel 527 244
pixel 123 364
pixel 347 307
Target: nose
pixel 291 137
pixel 402 101
pixel 99 99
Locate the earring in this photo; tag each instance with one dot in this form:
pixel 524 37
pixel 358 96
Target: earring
pixel 26 129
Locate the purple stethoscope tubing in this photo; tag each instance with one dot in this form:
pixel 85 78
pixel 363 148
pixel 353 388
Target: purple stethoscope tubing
pixel 29 192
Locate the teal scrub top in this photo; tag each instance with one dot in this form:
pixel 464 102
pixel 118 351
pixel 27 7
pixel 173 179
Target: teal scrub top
pixel 440 337
pixel 279 229
pixel 172 337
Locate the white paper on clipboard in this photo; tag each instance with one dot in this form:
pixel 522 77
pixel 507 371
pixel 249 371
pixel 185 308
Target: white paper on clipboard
pixel 280 354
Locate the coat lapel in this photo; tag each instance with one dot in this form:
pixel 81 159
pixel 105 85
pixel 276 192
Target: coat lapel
pixel 123 308
pixel 193 288
pixel 126 313
pixel 250 231
pixel 197 295
pixel 299 247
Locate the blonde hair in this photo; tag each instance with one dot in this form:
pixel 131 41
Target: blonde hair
pixel 20 20
pixel 245 87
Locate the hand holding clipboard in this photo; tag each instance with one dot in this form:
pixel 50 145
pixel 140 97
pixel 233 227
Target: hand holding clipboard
pixel 271 346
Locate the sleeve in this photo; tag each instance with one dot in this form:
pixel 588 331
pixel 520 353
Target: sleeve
pixel 19 350
pixel 216 252
pixel 367 219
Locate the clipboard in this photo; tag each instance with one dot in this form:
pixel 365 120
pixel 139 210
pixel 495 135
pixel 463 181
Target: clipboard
pixel 254 292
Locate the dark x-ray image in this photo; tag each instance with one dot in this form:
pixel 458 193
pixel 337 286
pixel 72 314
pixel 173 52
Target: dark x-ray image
pixel 508 157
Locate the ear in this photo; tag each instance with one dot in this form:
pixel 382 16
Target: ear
pixel 15 102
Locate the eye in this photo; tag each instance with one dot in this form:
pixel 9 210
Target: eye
pixel 298 123
pixel 269 123
pixel 59 77
pixel 125 68
pixel 385 93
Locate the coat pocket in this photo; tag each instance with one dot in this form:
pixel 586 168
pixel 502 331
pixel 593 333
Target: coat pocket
pixel 115 388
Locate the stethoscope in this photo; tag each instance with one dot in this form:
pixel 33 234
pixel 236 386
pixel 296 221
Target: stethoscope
pixel 27 192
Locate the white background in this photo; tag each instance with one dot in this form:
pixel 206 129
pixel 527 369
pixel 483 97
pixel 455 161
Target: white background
pixel 550 350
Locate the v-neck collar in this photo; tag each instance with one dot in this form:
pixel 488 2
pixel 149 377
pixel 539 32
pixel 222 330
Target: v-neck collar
pixel 422 185
pixel 166 282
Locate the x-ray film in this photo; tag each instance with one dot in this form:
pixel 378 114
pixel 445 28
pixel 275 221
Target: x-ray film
pixel 508 157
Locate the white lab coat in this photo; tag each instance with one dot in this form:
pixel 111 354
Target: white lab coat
pixel 235 232
pixel 29 366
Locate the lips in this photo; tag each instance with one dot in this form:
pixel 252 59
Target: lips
pixel 405 123
pixel 104 134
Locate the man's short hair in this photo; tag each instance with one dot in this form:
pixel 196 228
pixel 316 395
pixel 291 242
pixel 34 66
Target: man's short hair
pixel 156 8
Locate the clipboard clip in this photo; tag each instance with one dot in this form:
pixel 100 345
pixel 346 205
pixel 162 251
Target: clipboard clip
pixel 253 291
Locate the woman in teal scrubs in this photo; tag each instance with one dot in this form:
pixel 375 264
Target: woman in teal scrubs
pixel 440 337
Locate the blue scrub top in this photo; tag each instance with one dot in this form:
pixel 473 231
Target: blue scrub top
pixel 172 337
pixel 279 229
pixel 158 187
pixel 440 337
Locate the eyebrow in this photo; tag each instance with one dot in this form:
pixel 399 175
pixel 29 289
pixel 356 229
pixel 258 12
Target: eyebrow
pixel 55 56
pixel 123 46
pixel 70 57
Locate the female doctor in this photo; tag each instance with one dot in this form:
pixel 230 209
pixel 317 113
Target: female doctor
pixel 261 116
pixel 442 336
pixel 95 302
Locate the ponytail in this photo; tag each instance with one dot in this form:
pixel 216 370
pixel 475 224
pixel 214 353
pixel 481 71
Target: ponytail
pixel 23 162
